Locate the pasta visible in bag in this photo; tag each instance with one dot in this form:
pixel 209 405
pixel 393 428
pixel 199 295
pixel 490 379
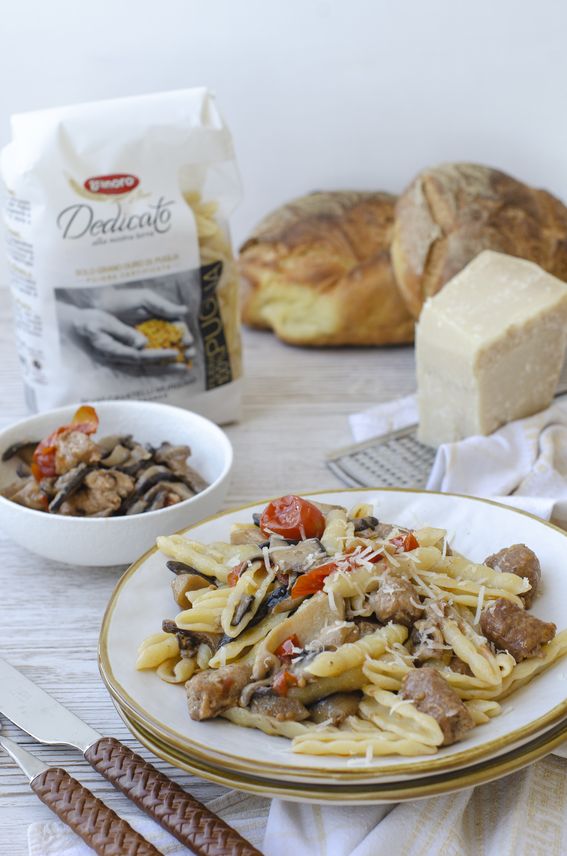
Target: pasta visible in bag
pixel 122 273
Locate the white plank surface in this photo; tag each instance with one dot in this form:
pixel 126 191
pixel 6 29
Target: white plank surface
pixel 296 403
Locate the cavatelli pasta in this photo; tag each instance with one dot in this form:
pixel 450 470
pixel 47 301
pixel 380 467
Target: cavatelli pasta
pixel 283 655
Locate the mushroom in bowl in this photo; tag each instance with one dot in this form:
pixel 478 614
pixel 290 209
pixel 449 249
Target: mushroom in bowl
pixel 87 493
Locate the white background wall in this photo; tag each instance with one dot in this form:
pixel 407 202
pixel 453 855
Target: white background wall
pixel 318 93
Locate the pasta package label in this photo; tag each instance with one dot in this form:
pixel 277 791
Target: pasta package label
pixel 122 274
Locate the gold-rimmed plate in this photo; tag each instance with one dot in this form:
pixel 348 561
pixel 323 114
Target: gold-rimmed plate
pixel 354 793
pixel 476 527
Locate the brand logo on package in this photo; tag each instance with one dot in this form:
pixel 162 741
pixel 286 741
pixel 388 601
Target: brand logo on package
pixel 111 184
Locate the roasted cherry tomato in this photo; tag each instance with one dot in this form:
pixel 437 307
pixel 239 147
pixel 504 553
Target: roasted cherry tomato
pixel 235 574
pixel 314 580
pixel 43 464
pixel 292 517
pixel 286 650
pixel 283 681
pixel 405 543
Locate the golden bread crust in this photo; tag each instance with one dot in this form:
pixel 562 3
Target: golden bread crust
pixel 318 272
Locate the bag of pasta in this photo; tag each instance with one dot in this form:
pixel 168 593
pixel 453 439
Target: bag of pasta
pixel 122 272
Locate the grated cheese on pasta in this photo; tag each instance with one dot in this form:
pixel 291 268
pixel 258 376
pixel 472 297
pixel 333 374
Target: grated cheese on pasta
pixel 479 605
pixel 266 555
pixel 398 704
pixel 415 576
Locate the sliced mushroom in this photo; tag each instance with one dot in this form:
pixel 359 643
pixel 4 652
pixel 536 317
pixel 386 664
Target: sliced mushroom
pixel 363 523
pixel 175 458
pixel 26 492
pixel 117 457
pixel 161 495
pixel 182 568
pixel 296 557
pixel 140 458
pixel 155 474
pixel 334 709
pixel 244 605
pixel 189 640
pixel 250 689
pixel 108 443
pixel 282 708
pixel 67 484
pixel 24 451
pixel 246 533
pixel 183 583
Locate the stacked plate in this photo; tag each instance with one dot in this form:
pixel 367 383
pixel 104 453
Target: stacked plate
pixel 532 724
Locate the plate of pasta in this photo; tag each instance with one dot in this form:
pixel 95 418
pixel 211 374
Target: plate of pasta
pixel 354 635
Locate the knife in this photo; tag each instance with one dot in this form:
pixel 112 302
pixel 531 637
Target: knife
pixel 99 827
pixel 47 721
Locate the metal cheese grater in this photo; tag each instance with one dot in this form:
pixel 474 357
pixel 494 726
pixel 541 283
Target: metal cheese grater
pixel 395 459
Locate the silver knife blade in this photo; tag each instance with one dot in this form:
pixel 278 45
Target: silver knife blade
pixel 28 763
pixel 35 711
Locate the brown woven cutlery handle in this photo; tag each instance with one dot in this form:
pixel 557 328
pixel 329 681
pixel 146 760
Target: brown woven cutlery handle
pixel 176 810
pixel 98 825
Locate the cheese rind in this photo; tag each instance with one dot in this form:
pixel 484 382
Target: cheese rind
pixel 489 347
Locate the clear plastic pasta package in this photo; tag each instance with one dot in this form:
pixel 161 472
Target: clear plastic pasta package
pixel 122 274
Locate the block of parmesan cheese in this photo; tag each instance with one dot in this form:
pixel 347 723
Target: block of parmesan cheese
pixel 489 347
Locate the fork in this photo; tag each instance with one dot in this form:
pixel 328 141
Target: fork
pixel 96 823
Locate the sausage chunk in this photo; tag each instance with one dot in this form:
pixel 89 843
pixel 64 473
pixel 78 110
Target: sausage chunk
pixel 73 448
pixel 431 694
pixel 427 642
pixel 210 693
pixel 520 560
pixel 396 600
pixel 459 666
pixel 512 629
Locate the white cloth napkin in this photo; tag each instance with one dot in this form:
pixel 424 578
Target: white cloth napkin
pixel 520 815
pixel 523 464
pixel 245 813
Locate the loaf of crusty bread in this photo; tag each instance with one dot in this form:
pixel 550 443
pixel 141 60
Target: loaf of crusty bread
pixel 318 271
pixel 452 212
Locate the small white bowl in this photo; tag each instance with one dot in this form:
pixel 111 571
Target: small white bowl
pixel 119 540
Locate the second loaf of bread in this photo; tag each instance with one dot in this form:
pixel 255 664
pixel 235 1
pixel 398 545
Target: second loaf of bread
pixel 451 213
pixel 318 272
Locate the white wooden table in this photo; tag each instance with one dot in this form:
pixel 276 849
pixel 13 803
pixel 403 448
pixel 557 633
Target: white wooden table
pixel 296 403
